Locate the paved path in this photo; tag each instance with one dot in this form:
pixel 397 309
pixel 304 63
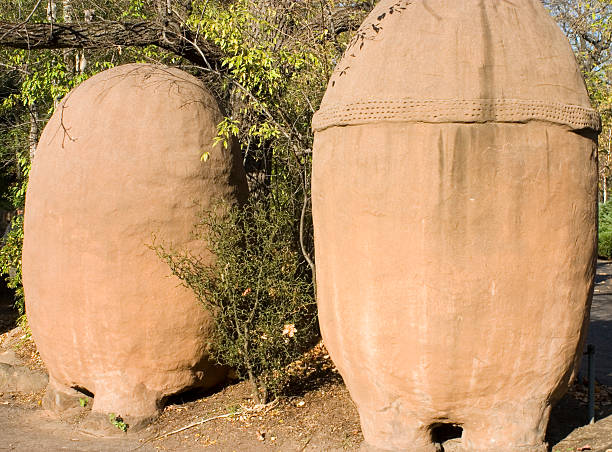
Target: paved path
pixel 600 328
pixel 27 430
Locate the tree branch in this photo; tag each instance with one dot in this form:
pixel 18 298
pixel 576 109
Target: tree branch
pixel 166 33
pixel 105 34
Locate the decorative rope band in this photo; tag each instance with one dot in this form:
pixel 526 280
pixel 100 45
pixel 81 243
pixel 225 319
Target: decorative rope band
pixel 449 111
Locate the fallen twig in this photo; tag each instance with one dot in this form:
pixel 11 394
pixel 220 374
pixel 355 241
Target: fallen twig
pixel 200 422
pixel 306 443
pixel 256 408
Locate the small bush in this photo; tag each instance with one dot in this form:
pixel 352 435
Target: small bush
pixel 10 260
pixel 605 244
pixel 260 290
pixel 605 230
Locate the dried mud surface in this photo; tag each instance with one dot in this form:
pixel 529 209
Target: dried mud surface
pixel 318 415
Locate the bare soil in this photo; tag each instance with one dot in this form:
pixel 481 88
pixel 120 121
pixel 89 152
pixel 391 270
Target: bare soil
pixel 316 415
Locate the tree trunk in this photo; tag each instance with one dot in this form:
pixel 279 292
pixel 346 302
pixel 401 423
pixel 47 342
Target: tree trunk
pixel 70 54
pixel 606 169
pixel 51 11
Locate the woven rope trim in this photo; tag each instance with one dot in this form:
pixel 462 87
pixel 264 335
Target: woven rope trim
pixel 443 110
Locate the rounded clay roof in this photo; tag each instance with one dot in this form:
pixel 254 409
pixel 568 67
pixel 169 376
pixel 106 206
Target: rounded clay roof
pixel 464 61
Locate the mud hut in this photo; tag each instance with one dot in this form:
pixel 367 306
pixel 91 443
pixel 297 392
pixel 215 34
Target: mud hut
pixel 117 168
pixel 454 202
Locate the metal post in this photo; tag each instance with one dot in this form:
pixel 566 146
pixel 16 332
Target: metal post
pixel 591 370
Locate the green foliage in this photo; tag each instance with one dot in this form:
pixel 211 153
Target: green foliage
pixel 604 239
pixel 136 9
pixel 10 261
pixel 118 422
pixel 605 230
pixel 259 290
pixel 273 81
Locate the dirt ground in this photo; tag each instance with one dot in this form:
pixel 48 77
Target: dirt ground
pixel 317 415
